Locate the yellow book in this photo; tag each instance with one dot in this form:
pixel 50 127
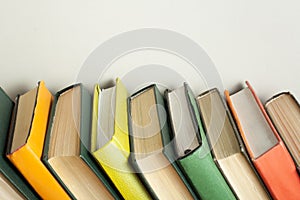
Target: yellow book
pixel 110 145
pixel 26 141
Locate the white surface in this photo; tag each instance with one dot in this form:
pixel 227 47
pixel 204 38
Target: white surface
pixel 247 40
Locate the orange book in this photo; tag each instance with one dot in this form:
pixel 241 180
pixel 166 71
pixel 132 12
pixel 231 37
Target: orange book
pixel 266 149
pixel 26 141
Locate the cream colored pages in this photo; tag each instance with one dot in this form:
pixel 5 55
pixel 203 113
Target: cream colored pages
pixel 226 149
pixel 148 148
pixel 285 114
pixel 7 191
pixel 64 152
pixel 248 187
pixel 79 178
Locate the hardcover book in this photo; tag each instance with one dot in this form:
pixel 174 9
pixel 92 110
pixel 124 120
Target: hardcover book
pixel 26 141
pixel 284 111
pixel 110 140
pixel 149 144
pixel 12 183
pixel 265 147
pixel 227 149
pixel 191 147
pixel 65 152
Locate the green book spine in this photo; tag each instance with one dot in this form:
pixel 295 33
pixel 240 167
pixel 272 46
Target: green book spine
pixel 238 137
pixel 85 126
pixel 168 149
pixel 200 168
pixel 6 168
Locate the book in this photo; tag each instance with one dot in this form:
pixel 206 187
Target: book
pixel 110 145
pixel 191 147
pixel 26 140
pixel 66 148
pixel 227 149
pixel 8 191
pixel 149 145
pixel 7 170
pixel 284 111
pixel 266 149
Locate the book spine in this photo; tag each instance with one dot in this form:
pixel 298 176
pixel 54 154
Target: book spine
pixel 278 172
pixel 200 167
pixel 85 133
pixel 6 168
pixel 275 165
pixel 167 139
pixel 41 180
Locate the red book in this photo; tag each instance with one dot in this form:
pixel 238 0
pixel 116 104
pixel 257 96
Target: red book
pixel 267 151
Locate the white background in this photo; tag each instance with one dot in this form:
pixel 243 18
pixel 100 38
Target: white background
pixel 257 41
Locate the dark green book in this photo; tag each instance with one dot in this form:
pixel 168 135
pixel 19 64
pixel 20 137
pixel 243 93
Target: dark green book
pixel 150 147
pixel 66 147
pixel 6 168
pixel 191 148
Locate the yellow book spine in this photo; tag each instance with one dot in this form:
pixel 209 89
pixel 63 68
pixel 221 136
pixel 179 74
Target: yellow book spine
pixel 95 118
pixel 115 163
pixel 121 118
pixel 113 157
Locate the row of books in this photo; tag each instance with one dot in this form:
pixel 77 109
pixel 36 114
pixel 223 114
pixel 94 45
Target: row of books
pixel 148 145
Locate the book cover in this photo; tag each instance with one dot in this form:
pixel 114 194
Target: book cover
pixel 76 169
pixel 197 162
pixel 113 156
pixel 227 150
pixel 151 152
pixel 267 151
pixel 284 111
pixel 6 168
pixel 27 156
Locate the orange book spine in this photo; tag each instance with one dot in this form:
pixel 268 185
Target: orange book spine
pixel 27 159
pixel 275 167
pixel 37 174
pixel 40 120
pixel 279 173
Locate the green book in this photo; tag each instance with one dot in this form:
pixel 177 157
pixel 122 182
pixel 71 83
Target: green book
pixel 228 149
pixel 6 168
pixel 66 147
pixel 149 150
pixel 191 149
